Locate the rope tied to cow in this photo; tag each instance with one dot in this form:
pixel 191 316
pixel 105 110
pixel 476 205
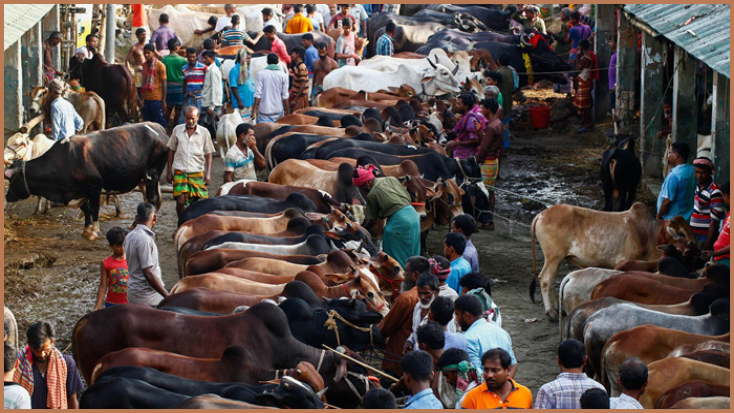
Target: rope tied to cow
pixel 331 324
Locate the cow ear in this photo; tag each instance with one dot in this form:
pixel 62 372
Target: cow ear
pixel 358 280
pixel 332 235
pixel 426 79
pixel 341 370
pixel 430 192
pixel 370 317
pixel 9 174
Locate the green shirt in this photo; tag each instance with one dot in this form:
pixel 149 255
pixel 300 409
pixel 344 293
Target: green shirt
pixel 506 88
pixel 174 67
pixel 386 197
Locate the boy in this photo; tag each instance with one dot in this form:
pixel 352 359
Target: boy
pixel 154 87
pixel 15 396
pixel 417 377
pixel 115 277
pixel 174 76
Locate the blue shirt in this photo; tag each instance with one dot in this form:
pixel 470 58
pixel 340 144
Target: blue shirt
pixel 423 400
pixel 459 268
pixel 483 336
pixel 246 91
pixel 312 55
pixel 454 340
pixel 471 255
pixel 65 120
pixel 680 188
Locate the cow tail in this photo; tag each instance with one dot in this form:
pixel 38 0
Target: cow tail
pixel 103 113
pixel 76 339
pixel 535 274
pixel 602 367
pixel 180 263
pixel 132 97
pixel 560 308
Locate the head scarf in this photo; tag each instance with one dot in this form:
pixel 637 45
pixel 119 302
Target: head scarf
pixel 242 60
pixel 493 90
pixel 364 174
pixel 703 161
pixel 57 85
pixel 466 376
pixel 439 270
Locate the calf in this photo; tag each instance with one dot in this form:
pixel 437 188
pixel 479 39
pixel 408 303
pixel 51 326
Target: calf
pixel 588 238
pixel 621 173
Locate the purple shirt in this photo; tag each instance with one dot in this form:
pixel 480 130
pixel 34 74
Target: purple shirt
pixel 613 71
pixel 160 38
pixel 40 389
pixel 465 131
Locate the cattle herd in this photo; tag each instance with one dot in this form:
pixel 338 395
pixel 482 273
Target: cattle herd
pixel 270 273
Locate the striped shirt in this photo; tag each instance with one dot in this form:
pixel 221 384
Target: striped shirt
pixel 235 37
pixel 40 388
pixel 707 206
pixel 384 46
pixel 300 77
pixel 565 391
pixel 194 78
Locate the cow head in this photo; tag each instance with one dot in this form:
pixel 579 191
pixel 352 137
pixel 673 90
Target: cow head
pixel 364 287
pixel 438 80
pixel 389 271
pixel 356 313
pixel 352 236
pixel 447 204
pixel 17 148
pixel 290 394
pixel 18 187
pixel 38 95
pixel 677 232
pixel 476 199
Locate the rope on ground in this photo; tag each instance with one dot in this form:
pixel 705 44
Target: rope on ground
pixel 494 214
pixel 541 201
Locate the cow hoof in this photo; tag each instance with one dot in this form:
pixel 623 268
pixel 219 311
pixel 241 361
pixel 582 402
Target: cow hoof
pixel 552 317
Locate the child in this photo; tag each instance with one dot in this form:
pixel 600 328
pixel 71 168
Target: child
pixel 114 272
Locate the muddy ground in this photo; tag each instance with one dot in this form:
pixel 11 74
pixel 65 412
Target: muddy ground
pixel 52 273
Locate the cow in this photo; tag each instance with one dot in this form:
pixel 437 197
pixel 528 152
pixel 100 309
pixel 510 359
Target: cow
pixel 226 136
pixel 263 327
pixel 719 402
pixel 88 105
pixel 603 324
pixel 76 170
pixel 292 144
pixel 323 201
pixel 212 401
pixel 144 387
pixel 336 262
pixel 693 388
pixel 717 358
pixel 437 81
pixel 245 203
pixel 20 148
pixel 647 291
pixel 410 33
pixel 226 302
pixel 492 16
pixel 621 172
pixel 670 372
pixel 313 245
pixel 338 184
pixel 114 84
pixel 588 238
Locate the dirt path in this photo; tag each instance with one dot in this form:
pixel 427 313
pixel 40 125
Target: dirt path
pixel 51 273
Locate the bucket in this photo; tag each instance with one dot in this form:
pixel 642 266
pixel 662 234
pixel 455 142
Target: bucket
pixel 540 116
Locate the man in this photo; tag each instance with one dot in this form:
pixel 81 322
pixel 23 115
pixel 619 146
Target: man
pixel 15 395
pixel 417 377
pixel 189 160
pixel 466 225
pixel 236 36
pixel 162 35
pixel 316 18
pixel 588 64
pixel 269 20
pixel 464 146
pixel 722 244
pixel 242 158
pixel 594 399
pixel 174 78
pixel 562 49
pixel 225 21
pixel 136 57
pixel 679 188
pixel 441 268
pixel 212 22
pixel 499 391
pixel 344 51
pixel 193 80
pixel 488 154
pixel 477 284
pixel 531 20
pixel 299 24
pixel 576 34
pixel 299 89
pixel 337 21
pixel 155 88
pixel 507 87
pixel 565 391
pixel 65 121
pixel 397 325
pixel 312 55
pixel 612 76
pixel 211 91
pixel 360 19
pixel 456 377
pixel 243 89
pixel 146 282
pixel 51 378
pixel 453 248
pixel 379 399
pixel 388 199
pixel 325 10
pixel 88 51
pixel 481 335
pixel 431 339
pixel 384 45
pixel 633 379
pixel 271 92
pixel 442 312
pixel 321 68
pixel 277 45
pixel 427 288
pixel 287 10
pixel 708 205
pixel 49 70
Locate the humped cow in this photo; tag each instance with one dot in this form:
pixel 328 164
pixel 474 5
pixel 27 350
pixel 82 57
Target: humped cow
pixel 437 81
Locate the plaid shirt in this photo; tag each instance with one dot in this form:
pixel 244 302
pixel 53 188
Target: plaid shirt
pixel 624 402
pixel 565 391
pixel 384 46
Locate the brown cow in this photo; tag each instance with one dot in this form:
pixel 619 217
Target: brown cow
pixel 336 262
pixel 323 201
pixel 210 301
pixel 670 372
pixel 301 173
pixel 588 238
pixel 88 105
pixel 645 291
pixel 698 403
pixel 212 260
pixel 694 388
pixel 647 342
pixel 717 358
pixel 297 119
pixel 212 401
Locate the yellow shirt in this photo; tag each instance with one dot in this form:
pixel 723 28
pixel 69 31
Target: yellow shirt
pixel 299 24
pixel 159 78
pixel 481 397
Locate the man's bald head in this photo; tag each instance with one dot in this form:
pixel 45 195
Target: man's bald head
pixel 191 110
pixel 633 374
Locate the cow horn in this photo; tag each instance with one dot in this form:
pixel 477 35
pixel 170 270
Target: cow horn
pixel 433 65
pixel 322 392
pixel 436 56
pixel 456 70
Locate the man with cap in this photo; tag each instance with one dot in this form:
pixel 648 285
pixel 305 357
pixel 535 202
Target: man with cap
pixel 441 268
pixel 708 205
pixel 388 199
pixel 65 121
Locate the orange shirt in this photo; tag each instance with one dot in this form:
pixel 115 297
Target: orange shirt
pixel 158 79
pixel 299 24
pixel 481 397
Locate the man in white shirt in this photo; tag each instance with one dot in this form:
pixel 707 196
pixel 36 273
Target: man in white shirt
pixel 87 52
pixel 242 158
pixel 270 20
pixel 65 121
pixel 360 16
pixel 325 13
pixel 633 379
pixel 427 285
pixel 211 91
pixel 271 92
pixel 225 21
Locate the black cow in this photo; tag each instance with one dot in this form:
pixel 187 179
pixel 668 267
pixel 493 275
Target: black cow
pixel 135 387
pixel 248 203
pixel 114 84
pixel 621 173
pixel 411 32
pixel 492 17
pixel 262 142
pixel 316 112
pixel 328 148
pixel 476 199
pixel 81 167
pixel 293 146
pixel 309 325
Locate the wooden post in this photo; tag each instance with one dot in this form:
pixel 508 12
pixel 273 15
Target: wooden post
pixel 626 70
pixel 652 148
pixel 13 89
pixel 720 127
pixel 605 23
pixel 685 113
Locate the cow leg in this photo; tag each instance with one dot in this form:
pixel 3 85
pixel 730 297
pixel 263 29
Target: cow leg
pixel 548 276
pixel 118 205
pixel 94 211
pixel 88 232
pixel 622 199
pixel 424 248
pixel 631 193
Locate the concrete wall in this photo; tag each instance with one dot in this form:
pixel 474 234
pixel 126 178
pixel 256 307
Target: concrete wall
pixel 720 126
pixel 605 22
pixel 627 72
pixel 13 83
pixel 652 148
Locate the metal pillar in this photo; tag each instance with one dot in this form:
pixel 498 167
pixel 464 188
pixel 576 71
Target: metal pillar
pixel 720 127
pixel 626 71
pixel 605 22
pixel 652 148
pixel 685 113
pixel 13 82
pixel 111 27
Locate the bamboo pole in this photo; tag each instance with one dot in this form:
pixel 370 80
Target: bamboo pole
pixel 365 365
pixel 25 128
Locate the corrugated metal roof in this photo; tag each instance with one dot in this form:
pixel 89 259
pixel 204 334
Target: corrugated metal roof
pixel 21 17
pixel 706 37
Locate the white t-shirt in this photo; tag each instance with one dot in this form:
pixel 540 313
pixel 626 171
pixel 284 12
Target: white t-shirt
pixel 317 20
pixel 273 22
pixel 227 21
pixel 242 165
pixel 324 10
pixel 359 14
pixel 16 397
pixel 83 51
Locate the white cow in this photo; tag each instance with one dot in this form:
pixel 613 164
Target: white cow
pixel 21 148
pixel 459 63
pixel 438 80
pixel 226 135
